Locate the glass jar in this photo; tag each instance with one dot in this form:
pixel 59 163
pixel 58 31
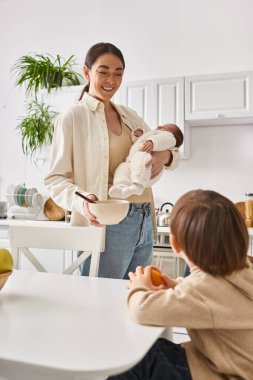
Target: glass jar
pixel 249 209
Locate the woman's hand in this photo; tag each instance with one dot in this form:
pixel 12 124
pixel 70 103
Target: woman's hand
pixel 91 218
pixel 142 277
pixel 159 159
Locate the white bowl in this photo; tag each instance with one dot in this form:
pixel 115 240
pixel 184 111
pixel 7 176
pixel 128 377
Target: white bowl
pixel 109 212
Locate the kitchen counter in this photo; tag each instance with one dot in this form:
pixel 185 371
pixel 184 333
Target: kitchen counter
pixel 3 222
pixel 11 222
pixel 164 231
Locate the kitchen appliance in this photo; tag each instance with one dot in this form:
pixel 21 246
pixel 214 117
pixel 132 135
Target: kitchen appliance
pixel 163 255
pixel 163 216
pixel 3 210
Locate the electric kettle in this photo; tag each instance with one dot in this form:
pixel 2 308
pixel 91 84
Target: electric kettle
pixel 163 217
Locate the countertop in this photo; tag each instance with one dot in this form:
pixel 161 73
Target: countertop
pixel 43 223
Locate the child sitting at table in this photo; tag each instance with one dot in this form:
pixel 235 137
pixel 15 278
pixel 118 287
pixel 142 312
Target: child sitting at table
pixel 133 175
pixel 214 303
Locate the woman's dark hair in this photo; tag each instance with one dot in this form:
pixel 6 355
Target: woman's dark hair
pixel 95 52
pixel 211 232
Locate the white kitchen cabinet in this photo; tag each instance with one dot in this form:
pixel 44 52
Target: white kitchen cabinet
pixel 138 96
pixel 215 99
pixel 219 99
pixel 168 106
pixel 169 100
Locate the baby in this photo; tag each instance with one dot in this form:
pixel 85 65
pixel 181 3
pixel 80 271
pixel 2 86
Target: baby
pixel 132 176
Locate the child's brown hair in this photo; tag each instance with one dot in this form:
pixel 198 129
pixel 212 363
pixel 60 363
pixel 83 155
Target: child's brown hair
pixel 210 231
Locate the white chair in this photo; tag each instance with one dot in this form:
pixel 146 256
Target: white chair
pixel 61 236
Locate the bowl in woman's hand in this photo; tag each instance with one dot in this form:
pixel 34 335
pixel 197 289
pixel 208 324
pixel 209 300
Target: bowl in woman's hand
pixel 111 211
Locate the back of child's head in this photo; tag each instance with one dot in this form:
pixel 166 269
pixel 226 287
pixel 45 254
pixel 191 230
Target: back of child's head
pixel 210 231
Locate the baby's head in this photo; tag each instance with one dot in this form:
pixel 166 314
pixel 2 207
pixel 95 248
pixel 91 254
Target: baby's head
pixel 175 130
pixel 210 230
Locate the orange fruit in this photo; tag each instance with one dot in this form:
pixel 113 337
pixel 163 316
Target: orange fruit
pixel 156 277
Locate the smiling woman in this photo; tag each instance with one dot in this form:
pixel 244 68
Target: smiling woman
pixel 94 137
pixel 104 79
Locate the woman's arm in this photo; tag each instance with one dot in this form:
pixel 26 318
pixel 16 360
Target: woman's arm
pixel 60 178
pixel 169 159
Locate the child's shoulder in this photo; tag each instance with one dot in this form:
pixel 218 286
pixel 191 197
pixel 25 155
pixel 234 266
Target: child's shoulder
pixel 200 281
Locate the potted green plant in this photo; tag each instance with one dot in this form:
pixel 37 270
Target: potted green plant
pixel 36 128
pixel 40 71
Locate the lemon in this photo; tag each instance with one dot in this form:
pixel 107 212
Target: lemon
pixel 6 261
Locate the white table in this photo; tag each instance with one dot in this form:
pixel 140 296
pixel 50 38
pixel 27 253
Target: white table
pixel 55 326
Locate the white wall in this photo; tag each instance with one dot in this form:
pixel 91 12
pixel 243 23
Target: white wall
pixel 162 39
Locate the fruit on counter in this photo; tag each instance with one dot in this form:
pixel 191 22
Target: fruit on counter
pixel 6 261
pixel 156 277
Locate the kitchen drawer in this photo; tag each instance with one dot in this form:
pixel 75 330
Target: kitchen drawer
pixel 168 262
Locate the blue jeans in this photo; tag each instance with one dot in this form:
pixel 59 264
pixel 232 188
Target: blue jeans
pixel 164 361
pixel 186 271
pixel 127 244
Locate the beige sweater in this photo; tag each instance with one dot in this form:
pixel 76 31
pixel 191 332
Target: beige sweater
pixel 218 314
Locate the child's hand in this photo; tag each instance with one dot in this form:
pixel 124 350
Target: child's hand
pixel 142 277
pixel 148 146
pixel 138 132
pixel 169 282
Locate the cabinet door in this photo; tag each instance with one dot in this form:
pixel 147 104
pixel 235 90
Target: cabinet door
pixel 168 106
pixel 219 99
pixel 169 100
pixel 138 96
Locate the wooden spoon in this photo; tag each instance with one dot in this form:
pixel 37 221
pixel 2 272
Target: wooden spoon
pixel 84 197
